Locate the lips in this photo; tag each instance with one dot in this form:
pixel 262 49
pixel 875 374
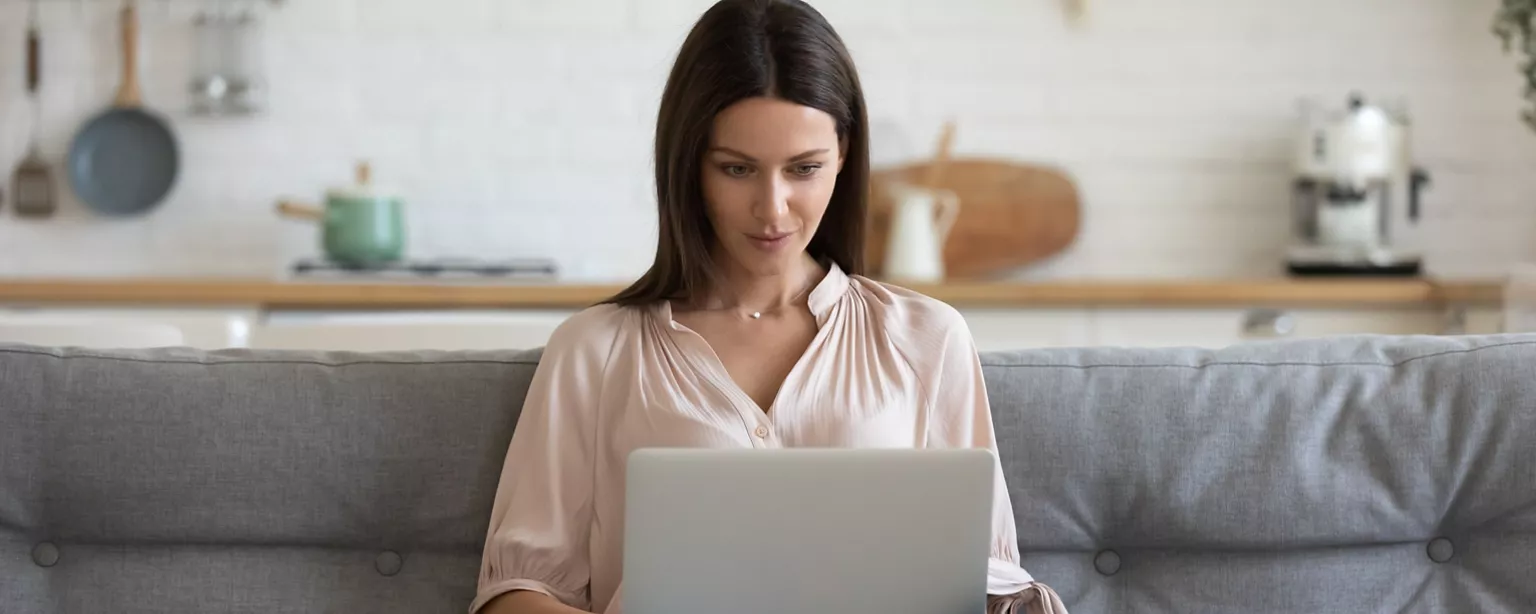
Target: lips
pixel 770 241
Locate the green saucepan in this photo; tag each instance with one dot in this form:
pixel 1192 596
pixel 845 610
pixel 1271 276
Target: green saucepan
pixel 360 225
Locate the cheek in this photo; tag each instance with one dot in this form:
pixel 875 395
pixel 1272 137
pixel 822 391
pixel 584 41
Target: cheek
pixel 812 197
pixel 724 199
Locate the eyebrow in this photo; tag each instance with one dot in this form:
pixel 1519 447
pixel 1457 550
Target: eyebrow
pixel 802 156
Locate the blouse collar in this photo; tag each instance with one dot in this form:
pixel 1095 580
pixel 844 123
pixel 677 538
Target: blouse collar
pixel 823 297
pixel 827 293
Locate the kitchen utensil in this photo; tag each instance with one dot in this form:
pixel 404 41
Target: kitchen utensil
pixel 210 81
pixel 360 225
pixel 227 79
pixel 248 85
pixel 921 220
pixel 33 180
pixel 1012 215
pixel 433 268
pixel 125 160
pixel 1353 169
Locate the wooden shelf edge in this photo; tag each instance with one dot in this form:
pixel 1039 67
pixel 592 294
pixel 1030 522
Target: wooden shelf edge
pixel 1024 295
pixel 1278 293
pixel 300 294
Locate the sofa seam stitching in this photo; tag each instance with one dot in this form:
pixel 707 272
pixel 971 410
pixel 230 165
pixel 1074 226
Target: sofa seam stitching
pixel 266 362
pixel 1239 363
pixel 985 364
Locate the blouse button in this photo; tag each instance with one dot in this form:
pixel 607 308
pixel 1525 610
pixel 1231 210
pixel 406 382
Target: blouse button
pixel 761 432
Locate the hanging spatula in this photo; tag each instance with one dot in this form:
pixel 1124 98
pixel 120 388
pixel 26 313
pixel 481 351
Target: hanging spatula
pixel 33 181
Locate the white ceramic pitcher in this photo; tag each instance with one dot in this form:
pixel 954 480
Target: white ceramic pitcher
pixel 921 219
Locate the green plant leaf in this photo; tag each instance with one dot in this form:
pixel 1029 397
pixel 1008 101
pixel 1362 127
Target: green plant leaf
pixel 1513 23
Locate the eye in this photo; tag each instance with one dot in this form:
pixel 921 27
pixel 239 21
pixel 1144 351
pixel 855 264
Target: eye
pixel 736 170
pixel 806 170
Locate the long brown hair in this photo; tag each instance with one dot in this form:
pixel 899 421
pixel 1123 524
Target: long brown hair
pixel 742 49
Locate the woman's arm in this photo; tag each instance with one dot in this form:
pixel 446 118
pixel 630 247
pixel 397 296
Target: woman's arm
pixel 960 416
pixel 537 544
pixel 527 602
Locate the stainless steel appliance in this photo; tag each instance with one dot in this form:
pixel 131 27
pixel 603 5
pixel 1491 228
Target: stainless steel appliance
pixel 1356 194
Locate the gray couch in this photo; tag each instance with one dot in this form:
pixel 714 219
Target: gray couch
pixel 1367 474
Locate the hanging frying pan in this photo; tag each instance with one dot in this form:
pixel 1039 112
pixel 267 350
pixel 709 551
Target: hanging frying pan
pixel 124 161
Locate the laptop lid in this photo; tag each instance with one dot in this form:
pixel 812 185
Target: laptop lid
pixel 844 531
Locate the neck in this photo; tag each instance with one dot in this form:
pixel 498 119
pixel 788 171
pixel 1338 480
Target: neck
pixel 744 290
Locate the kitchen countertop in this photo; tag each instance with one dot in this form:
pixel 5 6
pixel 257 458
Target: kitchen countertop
pixel 313 294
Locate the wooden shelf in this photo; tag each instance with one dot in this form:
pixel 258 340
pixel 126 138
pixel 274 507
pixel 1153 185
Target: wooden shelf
pixel 325 295
pixel 1277 293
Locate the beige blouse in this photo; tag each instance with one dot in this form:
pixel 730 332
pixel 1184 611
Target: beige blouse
pixel 888 367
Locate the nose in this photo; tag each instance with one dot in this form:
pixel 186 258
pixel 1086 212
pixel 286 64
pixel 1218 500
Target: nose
pixel 772 201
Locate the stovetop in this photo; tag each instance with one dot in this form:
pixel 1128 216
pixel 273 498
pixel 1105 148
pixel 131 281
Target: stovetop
pixel 427 269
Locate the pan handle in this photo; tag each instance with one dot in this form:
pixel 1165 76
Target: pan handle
pixel 34 59
pixel 288 208
pixel 128 94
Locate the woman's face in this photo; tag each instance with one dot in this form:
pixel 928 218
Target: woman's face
pixel 768 176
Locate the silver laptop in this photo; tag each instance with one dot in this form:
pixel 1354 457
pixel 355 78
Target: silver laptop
pixel 836 531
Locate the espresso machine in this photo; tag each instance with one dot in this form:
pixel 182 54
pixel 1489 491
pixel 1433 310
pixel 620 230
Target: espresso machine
pixel 1356 194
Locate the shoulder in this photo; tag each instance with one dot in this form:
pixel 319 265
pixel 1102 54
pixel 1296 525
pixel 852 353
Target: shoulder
pixel 591 333
pixel 910 317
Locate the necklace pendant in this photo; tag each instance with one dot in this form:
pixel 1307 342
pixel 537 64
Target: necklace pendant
pixel 757 315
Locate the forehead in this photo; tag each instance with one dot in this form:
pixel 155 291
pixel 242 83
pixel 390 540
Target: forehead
pixel 771 128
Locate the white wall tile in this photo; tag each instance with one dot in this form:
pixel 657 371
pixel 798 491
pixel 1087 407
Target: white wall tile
pixel 668 16
pixel 563 15
pixel 977 16
pixel 326 18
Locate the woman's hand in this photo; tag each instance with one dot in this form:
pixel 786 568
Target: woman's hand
pixel 1037 599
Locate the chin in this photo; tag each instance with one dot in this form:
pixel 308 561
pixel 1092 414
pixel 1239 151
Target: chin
pixel 767 262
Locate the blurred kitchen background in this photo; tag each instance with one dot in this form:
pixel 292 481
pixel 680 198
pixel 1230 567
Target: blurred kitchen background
pixel 521 129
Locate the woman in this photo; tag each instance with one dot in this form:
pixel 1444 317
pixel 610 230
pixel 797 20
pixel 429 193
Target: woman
pixel 751 329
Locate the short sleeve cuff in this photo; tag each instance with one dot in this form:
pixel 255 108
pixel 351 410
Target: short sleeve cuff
pixel 493 590
pixel 1005 578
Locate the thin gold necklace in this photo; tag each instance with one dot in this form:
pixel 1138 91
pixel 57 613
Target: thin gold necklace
pixel 758 315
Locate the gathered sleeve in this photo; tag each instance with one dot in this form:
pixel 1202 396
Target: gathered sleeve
pixel 538 538
pixel 960 416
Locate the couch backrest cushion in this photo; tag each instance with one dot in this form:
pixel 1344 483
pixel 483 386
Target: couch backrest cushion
pixel 186 481
pixel 1364 474
pixel 1359 474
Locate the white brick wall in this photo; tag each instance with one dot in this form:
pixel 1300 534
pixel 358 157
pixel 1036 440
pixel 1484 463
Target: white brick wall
pixel 522 127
